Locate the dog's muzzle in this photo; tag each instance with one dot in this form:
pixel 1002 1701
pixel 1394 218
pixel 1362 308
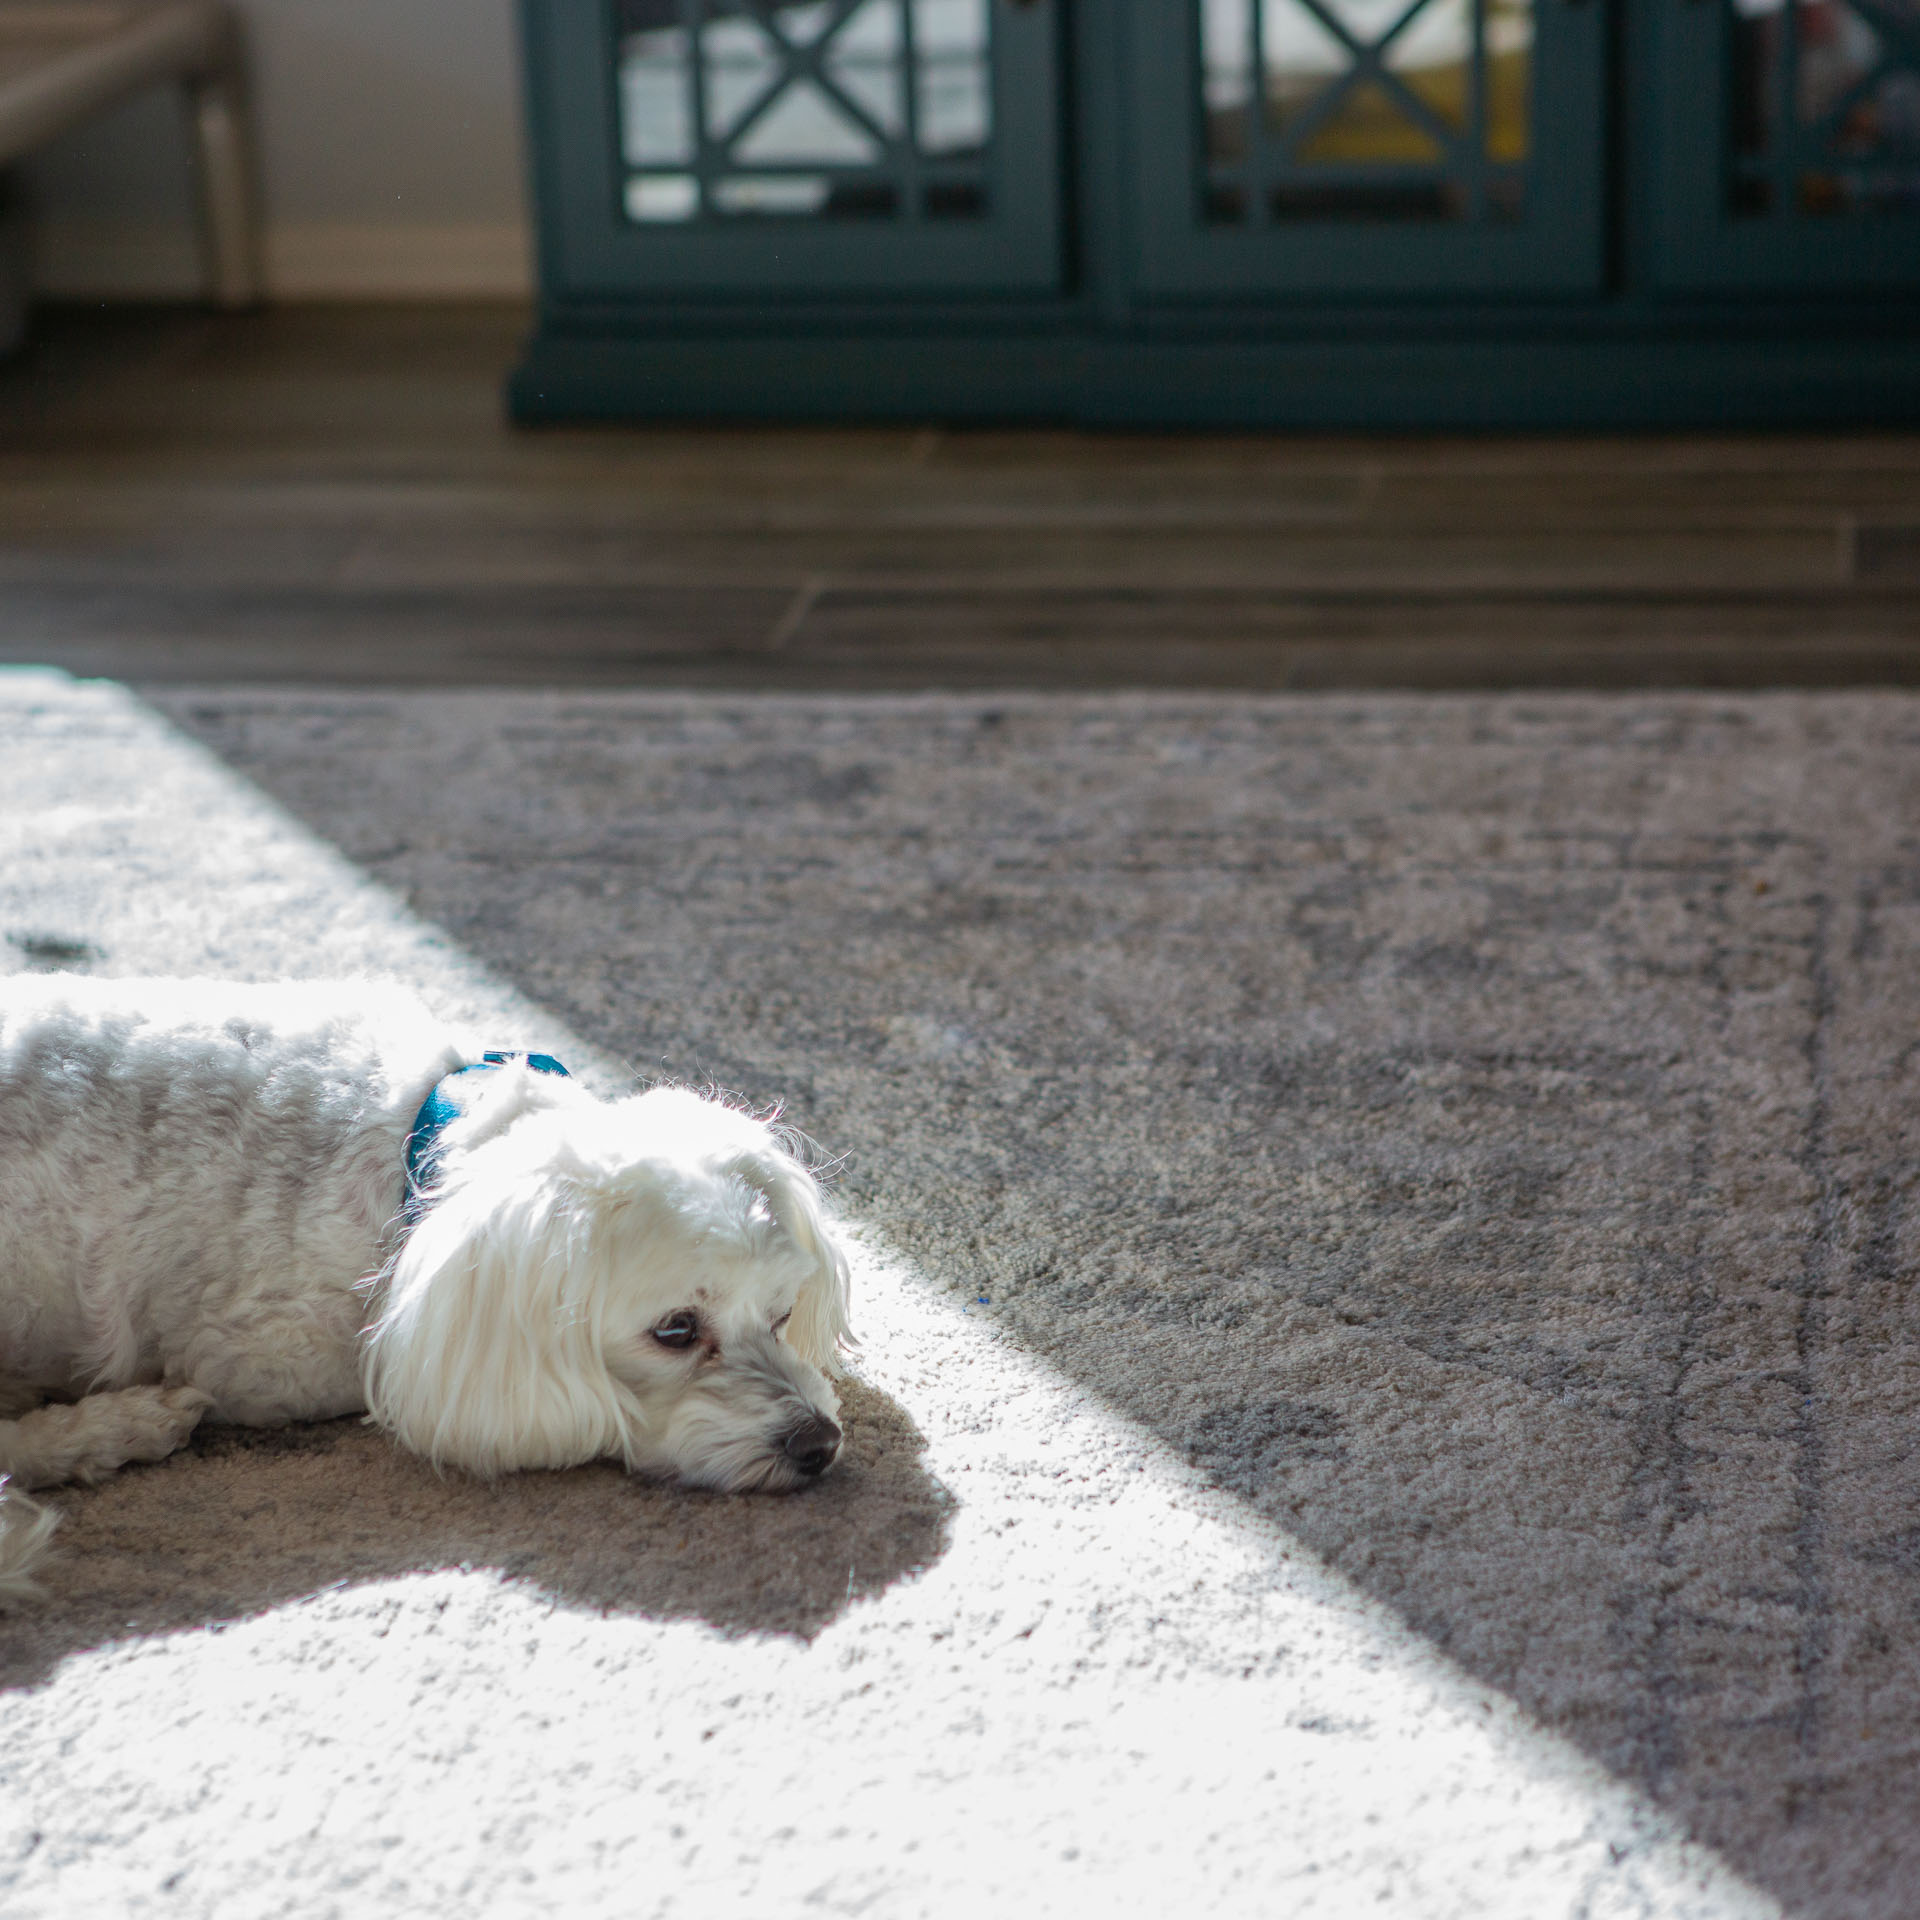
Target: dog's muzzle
pixel 811 1446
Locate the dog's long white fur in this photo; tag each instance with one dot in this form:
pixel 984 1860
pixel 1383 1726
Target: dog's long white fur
pixel 200 1190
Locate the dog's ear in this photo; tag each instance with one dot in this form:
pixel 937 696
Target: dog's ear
pixel 486 1353
pixel 818 1330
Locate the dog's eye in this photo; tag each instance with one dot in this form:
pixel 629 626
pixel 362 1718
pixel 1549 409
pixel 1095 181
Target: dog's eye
pixel 678 1330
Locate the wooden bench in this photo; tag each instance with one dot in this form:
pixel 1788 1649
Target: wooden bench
pixel 64 60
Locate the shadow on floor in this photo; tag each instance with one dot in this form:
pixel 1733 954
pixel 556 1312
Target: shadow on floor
pixel 244 1521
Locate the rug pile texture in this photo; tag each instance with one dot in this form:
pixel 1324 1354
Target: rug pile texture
pixel 1387 1253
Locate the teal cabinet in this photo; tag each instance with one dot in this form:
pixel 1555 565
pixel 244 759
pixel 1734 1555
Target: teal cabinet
pixel 1227 212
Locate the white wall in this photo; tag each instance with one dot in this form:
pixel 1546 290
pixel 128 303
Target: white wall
pixel 391 159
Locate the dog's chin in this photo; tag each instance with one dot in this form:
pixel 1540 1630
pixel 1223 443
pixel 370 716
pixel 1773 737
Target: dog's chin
pixel 770 1473
pixel 740 1466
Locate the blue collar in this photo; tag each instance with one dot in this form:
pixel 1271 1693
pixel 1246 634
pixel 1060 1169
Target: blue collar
pixel 437 1112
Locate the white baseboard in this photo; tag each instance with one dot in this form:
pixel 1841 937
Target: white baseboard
pixel 304 261
pixel 114 260
pixel 327 262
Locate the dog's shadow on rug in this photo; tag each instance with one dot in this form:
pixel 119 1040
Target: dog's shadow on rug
pixel 243 1521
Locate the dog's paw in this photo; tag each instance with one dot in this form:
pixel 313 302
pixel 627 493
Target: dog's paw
pixel 154 1422
pixel 84 1442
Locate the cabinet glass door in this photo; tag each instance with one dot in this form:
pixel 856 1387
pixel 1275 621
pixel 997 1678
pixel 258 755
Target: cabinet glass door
pixel 797 146
pixel 1367 146
pixel 1790 135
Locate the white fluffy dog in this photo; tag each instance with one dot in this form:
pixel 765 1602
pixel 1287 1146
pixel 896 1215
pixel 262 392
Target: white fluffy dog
pixel 264 1204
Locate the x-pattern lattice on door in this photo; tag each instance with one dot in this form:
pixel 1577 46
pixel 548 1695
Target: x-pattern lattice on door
pixel 1369 109
pixel 1827 111
pixel 831 108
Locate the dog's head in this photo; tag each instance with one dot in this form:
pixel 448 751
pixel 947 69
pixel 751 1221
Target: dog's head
pixel 649 1278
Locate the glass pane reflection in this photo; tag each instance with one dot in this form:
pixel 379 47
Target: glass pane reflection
pixel 1226 76
pixel 656 103
pixel 955 102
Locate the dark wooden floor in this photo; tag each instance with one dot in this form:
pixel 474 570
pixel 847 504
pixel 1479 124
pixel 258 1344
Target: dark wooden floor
pixel 332 494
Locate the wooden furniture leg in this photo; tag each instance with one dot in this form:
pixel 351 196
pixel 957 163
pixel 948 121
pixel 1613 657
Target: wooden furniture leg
pixel 222 132
pixel 62 63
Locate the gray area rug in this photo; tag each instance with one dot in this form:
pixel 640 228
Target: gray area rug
pixel 1456 1152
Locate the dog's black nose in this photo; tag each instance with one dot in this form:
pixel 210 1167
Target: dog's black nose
pixel 812 1445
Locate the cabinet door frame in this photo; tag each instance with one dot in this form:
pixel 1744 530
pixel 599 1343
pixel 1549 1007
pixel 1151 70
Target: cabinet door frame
pixel 1557 248
pixel 1699 244
pixel 591 251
